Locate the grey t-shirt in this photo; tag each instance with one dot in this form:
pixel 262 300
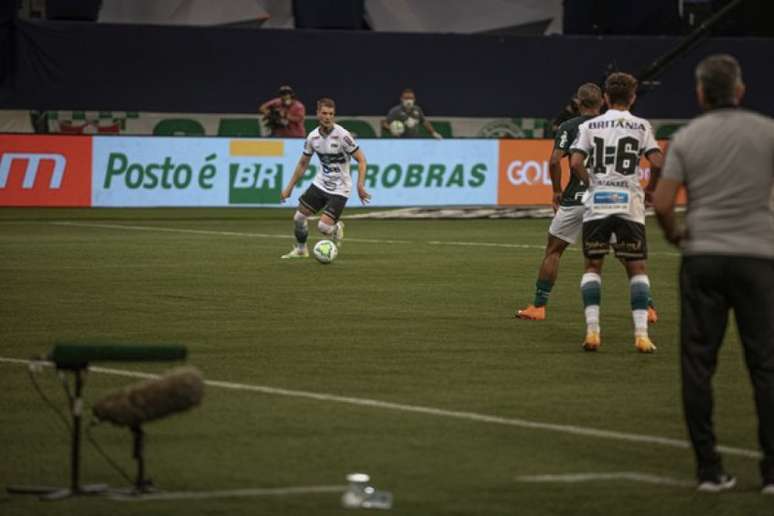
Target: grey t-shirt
pixel 411 119
pixel 725 159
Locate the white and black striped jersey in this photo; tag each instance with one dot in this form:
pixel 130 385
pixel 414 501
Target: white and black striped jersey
pixel 335 151
pixel 614 144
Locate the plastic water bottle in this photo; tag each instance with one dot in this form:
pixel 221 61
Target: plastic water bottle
pixel 361 495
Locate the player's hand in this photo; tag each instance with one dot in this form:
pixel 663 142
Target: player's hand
pixel 284 194
pixel 437 135
pixel 556 201
pixel 365 197
pixel 676 236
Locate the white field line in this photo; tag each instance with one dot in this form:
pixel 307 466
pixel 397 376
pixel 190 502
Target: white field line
pixel 216 233
pixel 590 477
pixel 489 244
pixel 288 236
pixel 419 409
pixel 230 493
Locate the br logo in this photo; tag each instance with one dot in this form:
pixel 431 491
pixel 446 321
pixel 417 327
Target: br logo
pixel 255 171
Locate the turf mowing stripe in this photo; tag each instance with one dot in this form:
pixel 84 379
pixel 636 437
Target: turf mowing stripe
pixel 288 236
pixel 419 409
pixel 230 493
pixel 625 475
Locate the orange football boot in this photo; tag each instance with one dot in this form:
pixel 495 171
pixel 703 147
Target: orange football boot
pixel 532 313
pixel 652 315
pixel 592 341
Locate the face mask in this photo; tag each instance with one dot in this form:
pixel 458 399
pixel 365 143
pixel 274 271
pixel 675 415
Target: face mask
pixel 287 101
pixel 408 103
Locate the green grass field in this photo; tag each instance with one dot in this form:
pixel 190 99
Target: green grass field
pixel 423 322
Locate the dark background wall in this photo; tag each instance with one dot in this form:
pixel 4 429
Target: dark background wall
pixel 80 65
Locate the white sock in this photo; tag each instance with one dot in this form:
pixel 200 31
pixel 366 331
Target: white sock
pixel 301 230
pixel 592 318
pixel 639 286
pixel 326 229
pixel 591 290
pixel 640 322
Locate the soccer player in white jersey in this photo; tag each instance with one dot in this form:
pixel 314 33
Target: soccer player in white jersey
pixel 332 185
pixel 615 203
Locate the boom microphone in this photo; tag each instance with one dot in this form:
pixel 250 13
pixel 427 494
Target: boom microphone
pixel 177 390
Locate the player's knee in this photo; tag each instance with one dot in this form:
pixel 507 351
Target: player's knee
pixel 556 248
pixel 640 279
pixel 591 278
pixel 299 219
pixel 325 228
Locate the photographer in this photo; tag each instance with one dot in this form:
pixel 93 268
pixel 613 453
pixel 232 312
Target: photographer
pixel 284 114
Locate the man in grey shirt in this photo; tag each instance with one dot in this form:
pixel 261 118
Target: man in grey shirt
pixel 725 160
pixel 403 120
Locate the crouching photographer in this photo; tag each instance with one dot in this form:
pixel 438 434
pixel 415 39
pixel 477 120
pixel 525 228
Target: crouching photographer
pixel 284 114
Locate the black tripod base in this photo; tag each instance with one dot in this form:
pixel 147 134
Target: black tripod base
pixel 133 493
pixel 59 493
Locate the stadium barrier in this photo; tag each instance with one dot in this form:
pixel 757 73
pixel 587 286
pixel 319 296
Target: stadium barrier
pixel 104 171
pixel 250 125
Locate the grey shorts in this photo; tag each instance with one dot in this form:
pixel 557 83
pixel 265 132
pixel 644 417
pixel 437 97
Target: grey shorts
pixel 567 223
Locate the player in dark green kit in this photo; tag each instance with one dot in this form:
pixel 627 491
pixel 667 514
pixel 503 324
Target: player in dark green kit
pixel 568 205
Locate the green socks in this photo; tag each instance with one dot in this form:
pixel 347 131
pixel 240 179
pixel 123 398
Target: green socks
pixel 542 291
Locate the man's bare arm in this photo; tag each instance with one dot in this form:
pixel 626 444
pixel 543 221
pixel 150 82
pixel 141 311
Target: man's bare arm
pixel 656 160
pixel 664 204
pixel 578 166
pixel 430 129
pixel 303 163
pixel 266 105
pixel 361 173
pixel 555 172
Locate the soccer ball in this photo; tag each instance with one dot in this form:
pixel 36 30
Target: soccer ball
pixel 325 251
pixel 397 128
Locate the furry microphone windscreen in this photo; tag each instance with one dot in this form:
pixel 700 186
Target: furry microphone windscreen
pixel 177 390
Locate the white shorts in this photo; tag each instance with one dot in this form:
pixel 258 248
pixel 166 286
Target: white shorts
pixel 567 223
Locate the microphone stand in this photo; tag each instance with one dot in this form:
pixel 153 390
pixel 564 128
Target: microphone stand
pixel 141 484
pixel 75 488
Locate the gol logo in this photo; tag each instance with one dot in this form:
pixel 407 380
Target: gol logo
pixel 523 172
pixel 528 173
pixel 45 170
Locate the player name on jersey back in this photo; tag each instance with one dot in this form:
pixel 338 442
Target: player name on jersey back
pixel 619 123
